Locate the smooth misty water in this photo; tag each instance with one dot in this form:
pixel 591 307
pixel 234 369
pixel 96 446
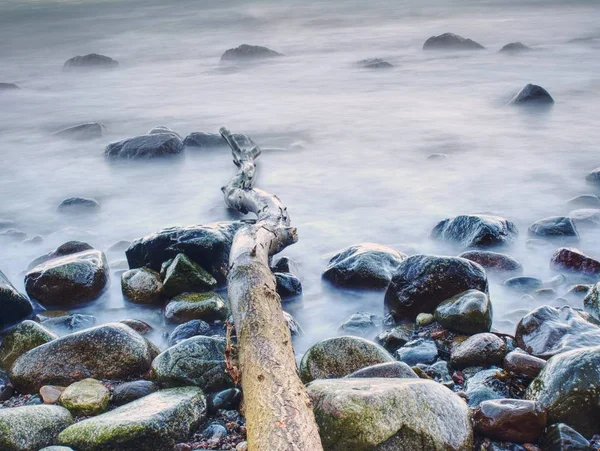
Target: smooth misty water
pixel 348 146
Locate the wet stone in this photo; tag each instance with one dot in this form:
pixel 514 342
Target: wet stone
pixel 228 399
pixel 374 63
pixel 78 205
pixel 139 326
pixel 14 306
pixel 183 276
pixel 494 262
pixel 24 337
pixel 451 42
pixel 362 324
pixel 523 365
pixel 593 177
pixel 70 323
pixel 512 420
pixel 475 231
pixel 561 437
pixel 556 227
pixel 484 349
pixel 591 302
pixel 524 284
pixel 189 329
pixel 388 369
pixel 469 313
pixel 90 61
pixel 585 201
pixel 421 350
pixel 85 131
pixel 397 337
pixel 50 394
pixel 532 95
pixel 142 286
pixel 130 391
pixel 485 385
pixel 574 261
pixel 287 285
pixel 145 147
pixel 515 48
pixel 247 52
pixel 208 307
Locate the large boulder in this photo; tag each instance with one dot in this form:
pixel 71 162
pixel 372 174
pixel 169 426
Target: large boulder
pixel 568 388
pixel 207 245
pixel 155 422
pixel 30 428
pixel 422 282
pixel 208 307
pixel 183 275
pixel 451 41
pixel 68 248
pixel 198 361
pixel 124 353
pixel 24 337
pixel 532 95
pixel 158 145
pixel 14 306
pixel 88 130
pixel 475 231
pixel 90 61
pixel 363 266
pixel 560 227
pixel 68 280
pixel 469 313
pixel 340 356
pixel 494 262
pixel 247 52
pixel 574 261
pixel 389 414
pixel 512 420
pixel 547 331
pixel 142 286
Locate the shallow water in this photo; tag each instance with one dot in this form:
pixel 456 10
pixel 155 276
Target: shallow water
pixel 345 148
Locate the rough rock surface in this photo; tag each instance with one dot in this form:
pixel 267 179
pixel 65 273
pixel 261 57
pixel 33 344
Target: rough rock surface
pixel 389 369
pixel 247 52
pixel 573 260
pixel 14 306
pixel 68 248
pixel 561 437
pixel 142 286
pixel 421 350
pixel 479 350
pixel 90 61
pixel 591 302
pixel 494 262
pixel 145 147
pixel 532 95
pixel 512 420
pixel 85 398
pixel 451 41
pixel 560 227
pixel 183 276
pixel 208 307
pixel 475 231
pixel 515 47
pixel 24 337
pixel 469 313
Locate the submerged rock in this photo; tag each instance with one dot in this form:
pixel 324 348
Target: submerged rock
pixel 90 61
pixel 157 422
pixel 363 266
pixel 68 280
pixel 451 41
pixel 586 217
pixel 561 437
pixel 247 52
pixel 554 227
pixel 24 337
pixel 532 95
pixel 475 231
pixel 362 324
pixel 484 349
pixel 568 388
pixel 8 87
pixel 208 307
pixel 88 130
pixel 389 369
pixel 14 306
pixel 65 360
pixel 293 325
pixel 469 313
pixel 422 282
pixel 515 47
pixel 374 63
pixel 161 129
pixel 145 147
pixel 70 323
pixel 207 245
pixel 78 205
pixel 142 286
pixel 524 284
pixel 397 337
pixel 547 331
pixel 494 262
pixel 225 399
pixel 512 420
pixel 573 260
pixel 31 427
pixel 201 139
pixel 85 398
pixel 363 414
pixel 585 201
pixel 340 356
pixel 594 177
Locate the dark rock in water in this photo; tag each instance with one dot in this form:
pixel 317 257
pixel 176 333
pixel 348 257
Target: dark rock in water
pixel 89 130
pixel 468 313
pixel 208 307
pixel 201 139
pixel 585 201
pixel 130 391
pixel 493 261
pixel 484 349
pixel 524 284
pixel 451 41
pixel 8 87
pixel 548 331
pixel 142 286
pixel 293 325
pixel 390 414
pixel 70 247
pixel 187 330
pixel 340 356
pixel 421 350
pixel 512 420
pixel 13 235
pixel 68 280
pixel 389 369
pixel 591 302
pixel 397 337
pixel 523 365
pixel 363 266
pixel 185 276
pixel 486 385
pixel 287 284
pixel 362 324
pixel 145 147
pixel 437 156
pixel 124 353
pixel 573 260
pixel 70 323
pixel 561 437
pixel 515 47
pixel 247 52
pixel 91 61
pixel 374 63
pixel 207 245
pixel 475 231
pixel 14 306
pixel 78 205
pixel 198 361
pixel 422 282
pixel 532 95
pixel 6 223
pixel 226 399
pixel 286 264
pixel 24 337
pixel 161 129
pixel 594 177
pixel 568 388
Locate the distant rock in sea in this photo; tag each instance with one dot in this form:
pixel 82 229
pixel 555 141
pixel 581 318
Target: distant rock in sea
pixel 451 41
pixel 532 94
pixel 247 52
pixel 515 47
pixel 374 63
pixel 8 87
pixel 88 130
pixel 91 61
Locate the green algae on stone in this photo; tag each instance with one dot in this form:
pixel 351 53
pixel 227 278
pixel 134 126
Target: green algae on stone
pixel 155 422
pixel 183 275
pixel 469 312
pixel 208 307
pixel 85 398
pixel 24 337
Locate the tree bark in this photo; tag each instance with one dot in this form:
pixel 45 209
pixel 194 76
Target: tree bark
pixel 278 412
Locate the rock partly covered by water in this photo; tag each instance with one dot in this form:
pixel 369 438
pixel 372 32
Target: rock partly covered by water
pixel 202 139
pixel 594 177
pixel 32 427
pixel 143 147
pixel 142 286
pixel 555 227
pixel 68 280
pixel 574 261
pixel 8 87
pixel 364 414
pixel 91 61
pixel 207 245
pixel 88 130
pixel 512 420
pixel 515 47
pixel 568 388
pixel 494 262
pixel 486 385
pixel 532 95
pixel 547 331
pixel 363 266
pixel 374 63
pixel 422 282
pixel 451 41
pixel 341 356
pixel 475 231
pixel 155 422
pixel 469 313
pixel 362 324
pixel 65 360
pixel 14 306
pixel 78 205
pixel 484 349
pixel 198 361
pixel 24 337
pixel 247 52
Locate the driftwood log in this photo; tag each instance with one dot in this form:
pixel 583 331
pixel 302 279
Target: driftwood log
pixel 278 411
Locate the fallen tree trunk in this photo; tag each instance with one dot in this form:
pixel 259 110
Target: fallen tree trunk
pixel 278 411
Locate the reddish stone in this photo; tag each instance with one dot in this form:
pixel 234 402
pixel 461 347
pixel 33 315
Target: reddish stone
pixel 512 420
pixel 573 260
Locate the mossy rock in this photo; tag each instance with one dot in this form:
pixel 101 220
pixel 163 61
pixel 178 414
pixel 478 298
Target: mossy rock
pixel 24 337
pixel 85 398
pixel 208 307
pixel 183 275
pixel 469 313
pixel 155 422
